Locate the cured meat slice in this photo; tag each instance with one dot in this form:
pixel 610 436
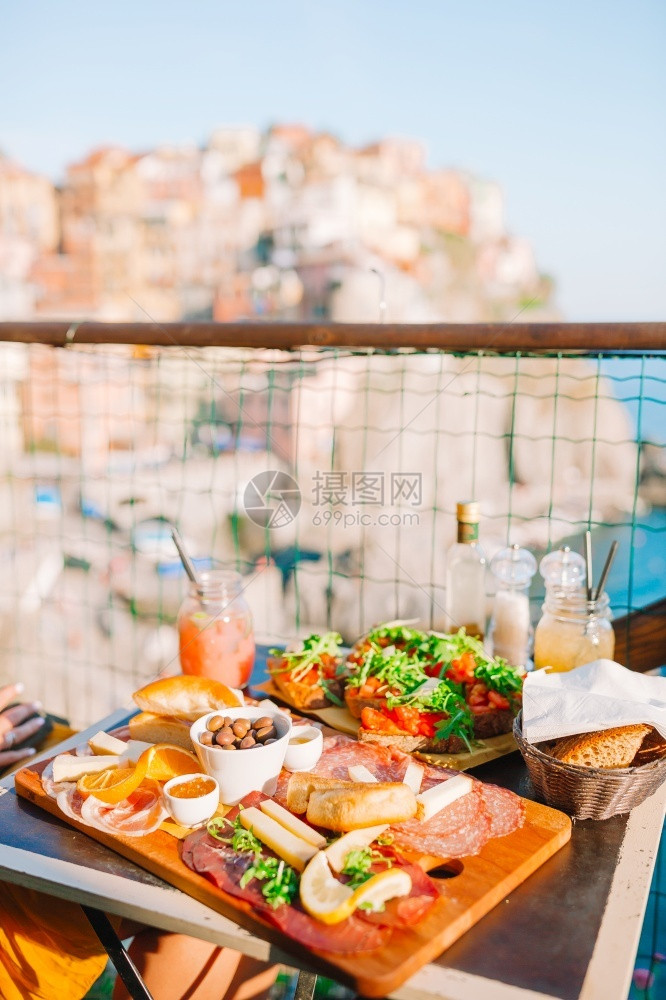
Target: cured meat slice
pixel 458 830
pixel 406 910
pixel 506 810
pixel 225 868
pixel 348 937
pixel 140 813
pixel 341 752
pixel 69 799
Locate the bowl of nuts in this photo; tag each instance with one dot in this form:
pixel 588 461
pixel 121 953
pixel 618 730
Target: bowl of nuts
pixel 243 749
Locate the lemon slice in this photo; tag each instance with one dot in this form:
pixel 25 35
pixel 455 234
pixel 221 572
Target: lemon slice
pixel 382 887
pixel 329 901
pixel 322 896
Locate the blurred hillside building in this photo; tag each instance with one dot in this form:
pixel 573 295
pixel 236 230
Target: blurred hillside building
pixel 285 224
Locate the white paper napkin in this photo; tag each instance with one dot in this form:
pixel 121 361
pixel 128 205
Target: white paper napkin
pixel 598 695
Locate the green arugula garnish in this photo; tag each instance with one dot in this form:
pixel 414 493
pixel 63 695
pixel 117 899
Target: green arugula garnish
pixel 394 668
pixel 279 881
pixel 358 864
pixel 299 662
pixel 234 834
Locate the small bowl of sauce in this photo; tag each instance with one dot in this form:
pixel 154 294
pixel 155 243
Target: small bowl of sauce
pixel 191 799
pixel 304 748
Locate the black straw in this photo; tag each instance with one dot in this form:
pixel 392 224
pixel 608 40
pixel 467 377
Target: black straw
pixel 606 570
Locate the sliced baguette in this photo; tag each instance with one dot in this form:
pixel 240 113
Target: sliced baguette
pixel 367 804
pixel 608 748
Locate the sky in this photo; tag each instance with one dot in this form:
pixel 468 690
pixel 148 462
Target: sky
pixel 562 102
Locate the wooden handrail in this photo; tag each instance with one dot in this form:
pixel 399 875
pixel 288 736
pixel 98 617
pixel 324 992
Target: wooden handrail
pixel 640 637
pixel 496 338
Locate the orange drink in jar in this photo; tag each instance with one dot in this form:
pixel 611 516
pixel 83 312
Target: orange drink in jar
pixel 215 630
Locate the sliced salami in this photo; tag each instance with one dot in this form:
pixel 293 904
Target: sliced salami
pixel 341 752
pixel 506 810
pixel 460 829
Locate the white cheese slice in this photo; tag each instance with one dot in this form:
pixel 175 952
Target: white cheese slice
pixel 292 823
pixel 102 743
pixel 295 851
pixel 439 796
pixel 133 749
pixel 352 841
pixel 430 685
pixel 413 776
pixel 67 767
pixel 359 772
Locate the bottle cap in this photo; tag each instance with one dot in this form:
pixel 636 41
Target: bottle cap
pixel 467 511
pixel 513 567
pixel 563 568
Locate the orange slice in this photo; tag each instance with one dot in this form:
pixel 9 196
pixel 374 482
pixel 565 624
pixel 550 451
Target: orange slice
pixel 166 760
pixel 159 762
pixel 111 780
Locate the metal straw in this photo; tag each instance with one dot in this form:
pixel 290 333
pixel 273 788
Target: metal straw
pixel 588 562
pixel 184 558
pixel 606 570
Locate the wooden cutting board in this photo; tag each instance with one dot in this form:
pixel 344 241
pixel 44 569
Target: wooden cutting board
pixel 469 887
pixel 341 719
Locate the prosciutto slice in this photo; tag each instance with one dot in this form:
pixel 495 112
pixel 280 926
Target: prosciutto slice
pixel 140 813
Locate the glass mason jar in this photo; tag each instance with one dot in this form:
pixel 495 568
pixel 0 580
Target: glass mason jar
pixel 573 631
pixel 215 630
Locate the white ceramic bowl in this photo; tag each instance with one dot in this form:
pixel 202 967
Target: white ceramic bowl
pixel 191 812
pixel 243 771
pixel 303 756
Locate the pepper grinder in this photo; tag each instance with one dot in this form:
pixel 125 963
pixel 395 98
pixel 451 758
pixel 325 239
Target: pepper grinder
pixel 510 626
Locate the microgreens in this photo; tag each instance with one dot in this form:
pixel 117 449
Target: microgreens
pixel 358 864
pixel 235 834
pixel 280 882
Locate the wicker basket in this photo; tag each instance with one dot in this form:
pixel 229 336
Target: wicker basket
pixel 588 792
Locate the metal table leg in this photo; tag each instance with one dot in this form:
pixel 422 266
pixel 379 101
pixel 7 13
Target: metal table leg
pixel 305 986
pixel 114 948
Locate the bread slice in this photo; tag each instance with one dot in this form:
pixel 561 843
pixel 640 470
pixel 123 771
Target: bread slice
pixel 356 704
pixel 151 728
pixel 305 696
pixel 608 748
pixel 364 805
pixel 302 784
pixel 185 697
pixel 652 748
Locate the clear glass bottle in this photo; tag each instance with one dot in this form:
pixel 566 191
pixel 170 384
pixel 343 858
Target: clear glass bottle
pixel 572 630
pixel 465 599
pixel 215 630
pixel 510 630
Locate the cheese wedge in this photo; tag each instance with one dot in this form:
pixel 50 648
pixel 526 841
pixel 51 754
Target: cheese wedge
pixel 295 851
pixel 442 795
pixel 133 749
pixel 292 823
pixel 359 772
pixel 413 776
pixel 102 743
pixel 67 767
pixel 352 841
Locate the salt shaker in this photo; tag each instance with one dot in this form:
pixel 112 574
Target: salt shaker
pixel 510 627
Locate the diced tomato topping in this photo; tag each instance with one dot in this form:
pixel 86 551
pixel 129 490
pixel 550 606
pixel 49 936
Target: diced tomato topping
pixel 429 721
pixel 311 678
pixel 408 718
pixel 481 709
pixel 497 699
pixel 378 722
pixel 366 691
